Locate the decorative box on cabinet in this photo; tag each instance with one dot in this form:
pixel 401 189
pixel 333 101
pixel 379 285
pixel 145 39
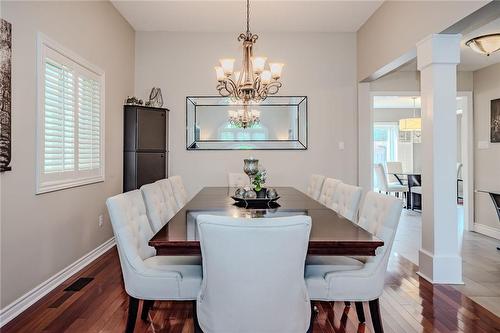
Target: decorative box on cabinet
pixel 145 146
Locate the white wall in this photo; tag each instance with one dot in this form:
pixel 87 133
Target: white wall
pixel 319 65
pixel 486 161
pixel 42 234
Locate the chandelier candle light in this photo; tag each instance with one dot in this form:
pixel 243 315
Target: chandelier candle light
pixel 253 82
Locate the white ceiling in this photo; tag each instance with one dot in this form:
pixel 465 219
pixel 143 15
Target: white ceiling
pixel 469 60
pixel 229 15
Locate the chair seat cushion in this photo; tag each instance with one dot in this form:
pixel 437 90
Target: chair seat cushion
pixel 189 268
pixel 318 266
pixel 397 187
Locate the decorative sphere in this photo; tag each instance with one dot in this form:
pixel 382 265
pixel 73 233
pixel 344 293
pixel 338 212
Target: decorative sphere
pixel 240 192
pixel 250 194
pixel 271 193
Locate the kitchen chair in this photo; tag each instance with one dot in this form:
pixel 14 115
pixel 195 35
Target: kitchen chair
pixel 158 209
pixel 346 200
pixel 348 279
pixel 392 168
pixel 384 185
pixel 237 179
pixel 180 194
pixel 315 185
pixel 147 276
pixel 253 274
pixel 168 193
pixel 327 191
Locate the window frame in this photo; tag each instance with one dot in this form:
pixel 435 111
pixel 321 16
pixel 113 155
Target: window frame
pixel 49 182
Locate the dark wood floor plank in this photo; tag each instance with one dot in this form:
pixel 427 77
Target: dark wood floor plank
pixel 408 304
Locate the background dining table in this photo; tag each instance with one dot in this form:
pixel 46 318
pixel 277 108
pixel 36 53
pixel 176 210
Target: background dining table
pixel 411 179
pixel 331 233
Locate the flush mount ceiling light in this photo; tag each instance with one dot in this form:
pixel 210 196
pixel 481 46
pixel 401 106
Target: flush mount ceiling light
pixel 486 44
pixel 253 82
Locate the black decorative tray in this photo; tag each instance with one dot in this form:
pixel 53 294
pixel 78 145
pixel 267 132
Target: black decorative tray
pixel 256 202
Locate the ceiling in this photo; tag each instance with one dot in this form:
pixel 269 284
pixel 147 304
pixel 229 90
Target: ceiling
pixel 469 60
pixel 229 15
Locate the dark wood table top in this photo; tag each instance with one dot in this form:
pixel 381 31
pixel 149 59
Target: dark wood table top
pixel 331 234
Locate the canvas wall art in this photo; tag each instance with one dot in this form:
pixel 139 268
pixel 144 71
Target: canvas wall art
pixel 495 120
pixel 5 94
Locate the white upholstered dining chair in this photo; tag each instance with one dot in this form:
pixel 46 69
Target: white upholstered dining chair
pixel 253 274
pixel 392 168
pixel 168 193
pixel 346 200
pixel 180 194
pixel 327 191
pixel 315 185
pixel 237 179
pixel 147 276
pixel 158 209
pixel 384 185
pixel 349 279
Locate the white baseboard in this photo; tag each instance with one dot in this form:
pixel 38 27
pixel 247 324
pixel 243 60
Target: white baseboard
pixel 22 303
pixel 487 230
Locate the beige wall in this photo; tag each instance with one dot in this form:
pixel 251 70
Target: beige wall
pixel 395 28
pixel 486 161
pixel 182 65
pixel 42 234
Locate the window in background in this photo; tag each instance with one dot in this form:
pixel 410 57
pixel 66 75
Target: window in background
pixel 70 123
pixel 385 140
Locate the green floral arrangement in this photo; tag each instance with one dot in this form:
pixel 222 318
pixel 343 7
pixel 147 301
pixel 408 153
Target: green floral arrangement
pixel 259 180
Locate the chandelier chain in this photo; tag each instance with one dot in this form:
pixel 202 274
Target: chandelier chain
pixel 248 16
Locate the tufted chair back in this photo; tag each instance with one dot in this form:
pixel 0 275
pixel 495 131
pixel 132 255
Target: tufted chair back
pixel 132 232
pixel 159 211
pixel 380 216
pixel 259 285
pixel 315 185
pixel 381 177
pixel 327 191
pixel 237 179
pixel 180 194
pixel 346 200
pixel 168 194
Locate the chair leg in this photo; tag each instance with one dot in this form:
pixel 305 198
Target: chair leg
pixel 347 303
pixel 197 328
pixel 375 313
pixel 360 312
pixel 146 306
pixel 133 305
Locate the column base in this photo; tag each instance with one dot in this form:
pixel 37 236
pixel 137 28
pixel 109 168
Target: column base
pixel 440 269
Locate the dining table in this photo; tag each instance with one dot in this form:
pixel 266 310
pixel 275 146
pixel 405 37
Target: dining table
pixel 331 233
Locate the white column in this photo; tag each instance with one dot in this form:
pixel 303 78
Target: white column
pixel 440 258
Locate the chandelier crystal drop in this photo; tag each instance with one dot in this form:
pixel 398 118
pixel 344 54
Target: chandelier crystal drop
pixel 253 82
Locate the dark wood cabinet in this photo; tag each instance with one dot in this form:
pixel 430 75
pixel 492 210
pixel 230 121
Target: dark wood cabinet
pixel 145 153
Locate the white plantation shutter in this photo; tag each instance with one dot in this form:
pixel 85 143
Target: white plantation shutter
pixel 89 123
pixel 59 104
pixel 70 123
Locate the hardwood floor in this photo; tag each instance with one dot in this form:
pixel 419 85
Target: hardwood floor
pixel 409 304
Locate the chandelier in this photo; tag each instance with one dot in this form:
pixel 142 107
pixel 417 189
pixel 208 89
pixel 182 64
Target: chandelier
pixel 253 82
pixel 411 124
pixel 244 118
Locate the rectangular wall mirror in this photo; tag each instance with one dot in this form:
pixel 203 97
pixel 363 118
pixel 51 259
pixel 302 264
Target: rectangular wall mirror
pixel 280 124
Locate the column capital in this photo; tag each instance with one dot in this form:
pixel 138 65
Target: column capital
pixel 438 49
